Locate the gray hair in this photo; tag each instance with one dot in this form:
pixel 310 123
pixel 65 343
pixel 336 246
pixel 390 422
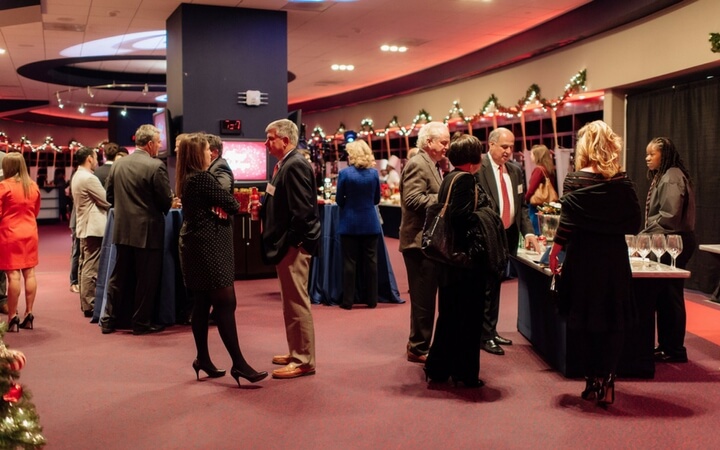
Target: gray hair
pixel 285 128
pixel 429 131
pixel 495 134
pixel 145 134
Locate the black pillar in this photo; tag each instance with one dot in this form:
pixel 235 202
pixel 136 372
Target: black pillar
pixel 215 52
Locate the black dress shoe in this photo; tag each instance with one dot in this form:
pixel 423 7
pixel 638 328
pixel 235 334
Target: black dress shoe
pixel 491 346
pixel 501 340
pixel 88 313
pixel 152 328
pixel 668 358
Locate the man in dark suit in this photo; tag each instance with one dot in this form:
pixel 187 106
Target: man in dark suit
pixel 139 189
pixel 504 182
pixel 112 152
pixel 218 166
pixel 291 231
pixel 419 186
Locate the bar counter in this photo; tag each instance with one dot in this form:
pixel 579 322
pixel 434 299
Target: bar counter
pixel 547 331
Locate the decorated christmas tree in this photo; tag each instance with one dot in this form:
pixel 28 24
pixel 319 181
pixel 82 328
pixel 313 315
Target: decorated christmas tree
pixel 19 422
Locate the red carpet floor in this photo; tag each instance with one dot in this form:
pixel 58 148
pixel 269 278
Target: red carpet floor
pixel 119 391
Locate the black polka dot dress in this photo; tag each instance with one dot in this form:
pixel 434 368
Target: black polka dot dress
pixel 206 244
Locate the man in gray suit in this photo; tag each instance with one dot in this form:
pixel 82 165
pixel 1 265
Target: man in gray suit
pixel 504 183
pixel 91 208
pixel 419 186
pixel 139 189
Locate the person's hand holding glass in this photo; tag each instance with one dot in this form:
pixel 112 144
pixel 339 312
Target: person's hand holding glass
pixel 674 246
pixel 657 245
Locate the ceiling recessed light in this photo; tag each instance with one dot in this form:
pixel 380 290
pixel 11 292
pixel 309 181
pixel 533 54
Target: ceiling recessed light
pixel 393 48
pixel 2 51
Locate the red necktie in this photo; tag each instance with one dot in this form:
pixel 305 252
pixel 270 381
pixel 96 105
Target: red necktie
pixel 275 170
pixel 506 201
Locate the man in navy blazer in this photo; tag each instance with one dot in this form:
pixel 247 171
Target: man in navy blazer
pixel 291 231
pixel 139 189
pixel 516 220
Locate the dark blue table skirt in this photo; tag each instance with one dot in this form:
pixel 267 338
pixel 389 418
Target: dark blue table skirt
pixel 172 292
pixel 326 269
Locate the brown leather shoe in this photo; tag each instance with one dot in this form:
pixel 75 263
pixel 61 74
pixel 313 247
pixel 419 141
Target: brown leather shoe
pixel 412 357
pixel 292 370
pixel 281 360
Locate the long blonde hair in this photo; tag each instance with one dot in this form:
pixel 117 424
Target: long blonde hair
pixel 13 165
pixel 599 147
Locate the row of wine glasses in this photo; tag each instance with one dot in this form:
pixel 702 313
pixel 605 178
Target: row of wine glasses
pixel 643 244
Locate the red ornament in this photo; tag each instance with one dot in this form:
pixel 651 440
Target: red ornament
pixel 13 394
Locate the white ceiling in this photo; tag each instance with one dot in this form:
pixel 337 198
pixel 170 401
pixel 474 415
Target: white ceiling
pixel 319 34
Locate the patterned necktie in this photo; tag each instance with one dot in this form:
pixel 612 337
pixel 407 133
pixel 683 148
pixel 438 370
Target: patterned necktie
pixel 505 200
pixel 440 172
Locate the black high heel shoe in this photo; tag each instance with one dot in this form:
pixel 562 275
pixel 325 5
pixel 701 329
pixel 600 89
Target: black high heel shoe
pixel 467 382
pixel 208 368
pixel 27 321
pixel 608 391
pixel 593 386
pixel 253 377
pixel 434 378
pixel 14 323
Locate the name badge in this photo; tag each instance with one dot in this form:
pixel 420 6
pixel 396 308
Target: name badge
pixel 270 189
pixel 520 189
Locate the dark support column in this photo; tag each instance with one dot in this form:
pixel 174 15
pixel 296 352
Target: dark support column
pixel 215 52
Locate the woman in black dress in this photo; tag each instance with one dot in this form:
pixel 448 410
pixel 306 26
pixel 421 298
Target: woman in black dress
pixel 455 350
pixel 206 256
pixel 599 207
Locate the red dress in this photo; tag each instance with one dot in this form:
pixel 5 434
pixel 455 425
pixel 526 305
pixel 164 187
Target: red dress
pixel 18 225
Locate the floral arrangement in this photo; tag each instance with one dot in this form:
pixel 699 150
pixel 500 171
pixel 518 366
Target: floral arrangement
pixel 549 208
pixel 715 42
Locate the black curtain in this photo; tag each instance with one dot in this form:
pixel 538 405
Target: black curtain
pixel 689 114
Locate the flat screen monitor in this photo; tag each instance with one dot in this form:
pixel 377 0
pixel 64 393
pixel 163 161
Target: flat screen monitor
pixel 161 120
pixel 247 158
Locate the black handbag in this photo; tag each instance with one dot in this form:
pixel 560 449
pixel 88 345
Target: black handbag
pixel 438 238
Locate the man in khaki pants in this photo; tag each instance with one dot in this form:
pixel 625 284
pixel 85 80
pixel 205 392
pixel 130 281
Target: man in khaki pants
pixel 291 231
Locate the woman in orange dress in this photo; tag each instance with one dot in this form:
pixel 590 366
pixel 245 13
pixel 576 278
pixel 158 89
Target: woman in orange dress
pixel 19 207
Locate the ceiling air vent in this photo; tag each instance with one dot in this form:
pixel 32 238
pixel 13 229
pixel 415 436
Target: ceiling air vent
pixel 59 26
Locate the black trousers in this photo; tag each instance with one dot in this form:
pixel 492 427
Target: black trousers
pixel 670 306
pixel 423 282
pixel 491 295
pixel 136 278
pixel 455 349
pixel 360 258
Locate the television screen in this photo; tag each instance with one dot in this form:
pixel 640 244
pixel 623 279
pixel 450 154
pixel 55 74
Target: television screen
pixel 161 120
pixel 248 159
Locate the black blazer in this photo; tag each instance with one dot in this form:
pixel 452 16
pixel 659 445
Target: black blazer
pixel 487 179
pixel 139 189
pixel 222 171
pixel 290 215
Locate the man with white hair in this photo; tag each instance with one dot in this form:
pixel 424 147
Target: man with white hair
pixel 419 186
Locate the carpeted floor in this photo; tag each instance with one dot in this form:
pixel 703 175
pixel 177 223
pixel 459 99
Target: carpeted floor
pixel 122 391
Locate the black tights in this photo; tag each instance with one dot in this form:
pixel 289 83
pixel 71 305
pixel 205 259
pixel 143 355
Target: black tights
pixel 223 303
pixel 602 352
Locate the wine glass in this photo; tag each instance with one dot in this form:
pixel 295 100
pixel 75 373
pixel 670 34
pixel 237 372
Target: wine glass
pixel 630 241
pixel 657 245
pixel 674 246
pixel 642 245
